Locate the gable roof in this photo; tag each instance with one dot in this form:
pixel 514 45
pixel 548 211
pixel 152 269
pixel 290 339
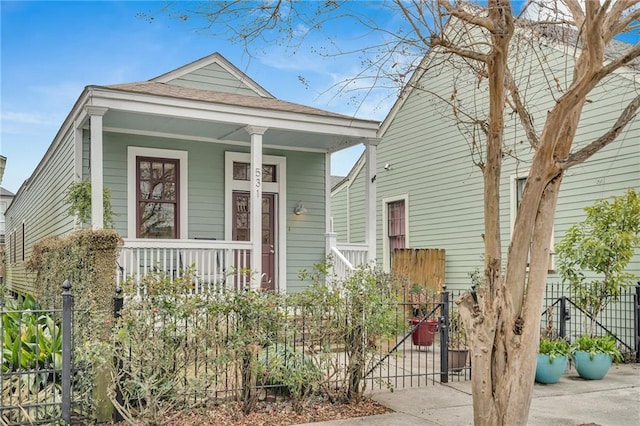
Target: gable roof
pixel 342 182
pixel 200 73
pixel 6 193
pixel 164 93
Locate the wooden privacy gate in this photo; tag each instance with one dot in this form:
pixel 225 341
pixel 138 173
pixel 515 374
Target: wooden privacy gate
pixel 425 266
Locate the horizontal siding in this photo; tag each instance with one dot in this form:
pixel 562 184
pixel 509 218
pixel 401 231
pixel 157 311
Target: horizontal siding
pixel 305 233
pixel 339 211
pixel 357 207
pixel 40 207
pixel 431 161
pixel 305 182
pixel 213 77
pixel 205 180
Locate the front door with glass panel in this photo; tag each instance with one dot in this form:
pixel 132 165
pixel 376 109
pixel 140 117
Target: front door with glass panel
pixel 241 231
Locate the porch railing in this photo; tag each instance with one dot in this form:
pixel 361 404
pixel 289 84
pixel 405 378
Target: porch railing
pixel 347 257
pixel 211 263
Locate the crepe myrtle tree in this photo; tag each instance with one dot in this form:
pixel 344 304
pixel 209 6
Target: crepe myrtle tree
pixel 489 40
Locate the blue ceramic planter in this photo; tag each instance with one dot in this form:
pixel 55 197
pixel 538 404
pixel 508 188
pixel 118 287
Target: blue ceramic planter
pixel 591 369
pixel 549 371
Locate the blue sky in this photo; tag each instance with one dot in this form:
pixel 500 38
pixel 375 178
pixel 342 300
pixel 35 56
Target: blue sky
pixel 51 50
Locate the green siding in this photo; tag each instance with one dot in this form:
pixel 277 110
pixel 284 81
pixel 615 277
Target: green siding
pixel 305 182
pixel 348 207
pixel 357 217
pixel 213 77
pixel 205 180
pixel 339 210
pixel 431 162
pixel 305 233
pixel 39 204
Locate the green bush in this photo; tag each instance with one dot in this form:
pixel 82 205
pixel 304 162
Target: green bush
pixel 285 366
pixel 604 244
pixel 350 312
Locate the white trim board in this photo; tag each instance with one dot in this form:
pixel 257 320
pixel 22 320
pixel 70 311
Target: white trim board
pixel 182 156
pixel 279 188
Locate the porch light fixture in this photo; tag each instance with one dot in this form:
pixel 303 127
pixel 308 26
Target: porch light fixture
pixel 300 209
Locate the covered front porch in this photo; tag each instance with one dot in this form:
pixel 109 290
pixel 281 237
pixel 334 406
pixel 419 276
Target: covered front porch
pixel 235 189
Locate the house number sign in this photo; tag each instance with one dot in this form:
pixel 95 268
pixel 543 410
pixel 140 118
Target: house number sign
pixel 258 180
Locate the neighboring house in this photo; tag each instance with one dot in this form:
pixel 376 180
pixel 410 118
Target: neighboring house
pixel 205 168
pixel 5 200
pixel 429 192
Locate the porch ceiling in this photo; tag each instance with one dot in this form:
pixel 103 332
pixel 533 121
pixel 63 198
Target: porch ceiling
pixel 218 131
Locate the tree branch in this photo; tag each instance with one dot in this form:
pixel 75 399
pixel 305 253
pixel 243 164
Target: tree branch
pixel 625 118
pixel 620 61
pixel 576 11
pixel 465 53
pixel 525 117
pixel 459 13
pixel 411 21
pixel 616 28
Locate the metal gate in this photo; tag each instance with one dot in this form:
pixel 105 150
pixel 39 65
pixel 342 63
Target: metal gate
pixel 423 355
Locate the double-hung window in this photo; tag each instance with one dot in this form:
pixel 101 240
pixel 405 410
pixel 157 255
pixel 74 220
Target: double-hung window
pixel 158 207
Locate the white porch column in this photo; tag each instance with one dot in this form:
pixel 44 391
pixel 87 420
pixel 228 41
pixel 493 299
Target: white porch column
pixel 370 198
pixel 96 165
pixel 255 224
pixel 328 221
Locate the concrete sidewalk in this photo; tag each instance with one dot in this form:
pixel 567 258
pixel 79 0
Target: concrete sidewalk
pixel 613 401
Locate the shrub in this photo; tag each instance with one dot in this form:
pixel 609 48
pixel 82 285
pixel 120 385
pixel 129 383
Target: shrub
pixel 603 243
pixel 350 312
pixel 285 366
pixel 32 342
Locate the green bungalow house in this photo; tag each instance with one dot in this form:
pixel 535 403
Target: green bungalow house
pixel 205 168
pixel 429 193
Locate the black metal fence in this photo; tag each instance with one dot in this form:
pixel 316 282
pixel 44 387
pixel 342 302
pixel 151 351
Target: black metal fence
pixel 193 346
pixel 36 377
pixel 416 355
pixel 619 318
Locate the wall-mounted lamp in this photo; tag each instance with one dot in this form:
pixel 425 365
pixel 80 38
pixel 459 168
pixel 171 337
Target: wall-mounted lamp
pixel 387 166
pixel 300 209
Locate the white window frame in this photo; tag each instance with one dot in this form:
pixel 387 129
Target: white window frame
pixel 182 156
pixel 513 185
pixel 386 264
pixel 279 187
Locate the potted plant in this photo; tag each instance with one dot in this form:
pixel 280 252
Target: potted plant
pixel 604 244
pixel 553 356
pixel 458 351
pixel 422 305
pixel 593 356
